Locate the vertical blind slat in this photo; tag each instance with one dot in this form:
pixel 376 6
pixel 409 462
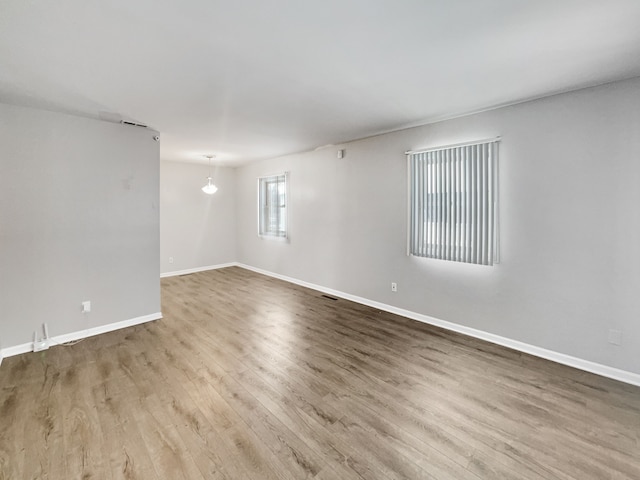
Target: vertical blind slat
pixel 473 171
pixel 455 207
pixel 422 233
pixel 485 201
pixel 429 210
pixel 467 194
pixel 418 206
pixel 426 232
pixel 441 194
pixel 482 203
pixel 434 206
pixel 478 153
pixel 491 230
pixel 434 202
pixel 445 206
pixel 413 204
pixel 426 227
pixel 449 205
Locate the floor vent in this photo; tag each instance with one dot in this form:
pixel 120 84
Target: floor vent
pixel 329 297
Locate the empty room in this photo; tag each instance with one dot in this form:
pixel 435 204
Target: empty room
pixel 320 240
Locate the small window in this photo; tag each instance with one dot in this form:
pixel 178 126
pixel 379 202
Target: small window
pixel 272 205
pixel 453 203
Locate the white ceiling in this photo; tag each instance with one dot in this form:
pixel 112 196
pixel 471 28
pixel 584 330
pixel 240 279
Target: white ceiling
pixel 249 79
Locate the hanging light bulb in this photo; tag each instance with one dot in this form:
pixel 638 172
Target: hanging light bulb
pixel 209 188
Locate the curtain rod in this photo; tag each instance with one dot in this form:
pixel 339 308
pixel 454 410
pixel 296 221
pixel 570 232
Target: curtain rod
pixel 454 145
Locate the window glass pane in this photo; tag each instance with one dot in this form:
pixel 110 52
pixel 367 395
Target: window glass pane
pixel 273 204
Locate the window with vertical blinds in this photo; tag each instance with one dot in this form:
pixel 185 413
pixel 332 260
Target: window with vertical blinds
pixel 453 203
pixel 272 205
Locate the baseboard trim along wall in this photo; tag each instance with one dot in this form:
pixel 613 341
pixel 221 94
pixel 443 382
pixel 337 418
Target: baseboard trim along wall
pixel 585 365
pixel 198 269
pixel 80 334
pixel 581 364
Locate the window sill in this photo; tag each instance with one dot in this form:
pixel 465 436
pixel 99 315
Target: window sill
pixel 273 238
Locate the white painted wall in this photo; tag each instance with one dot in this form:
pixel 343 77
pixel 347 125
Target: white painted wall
pixel 570 271
pixel 78 221
pixel 196 229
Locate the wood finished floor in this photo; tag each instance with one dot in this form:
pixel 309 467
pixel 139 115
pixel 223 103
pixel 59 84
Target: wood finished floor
pixel 248 377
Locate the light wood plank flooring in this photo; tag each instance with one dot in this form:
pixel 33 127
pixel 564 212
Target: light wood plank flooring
pixel 248 377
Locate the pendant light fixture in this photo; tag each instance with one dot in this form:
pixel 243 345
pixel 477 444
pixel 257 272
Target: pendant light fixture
pixel 209 188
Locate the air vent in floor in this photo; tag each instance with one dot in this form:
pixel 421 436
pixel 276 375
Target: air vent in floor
pixel 329 297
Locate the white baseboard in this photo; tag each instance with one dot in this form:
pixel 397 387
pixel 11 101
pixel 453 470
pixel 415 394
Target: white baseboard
pixel 90 332
pixel 197 269
pixel 585 365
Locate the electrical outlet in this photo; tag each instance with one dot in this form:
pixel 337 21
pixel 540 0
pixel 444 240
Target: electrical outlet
pixel 170 259
pixel 86 306
pixel 615 337
pixel 394 287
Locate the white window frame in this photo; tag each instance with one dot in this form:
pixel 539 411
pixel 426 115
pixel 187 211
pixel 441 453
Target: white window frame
pixel 453 202
pixel 268 226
